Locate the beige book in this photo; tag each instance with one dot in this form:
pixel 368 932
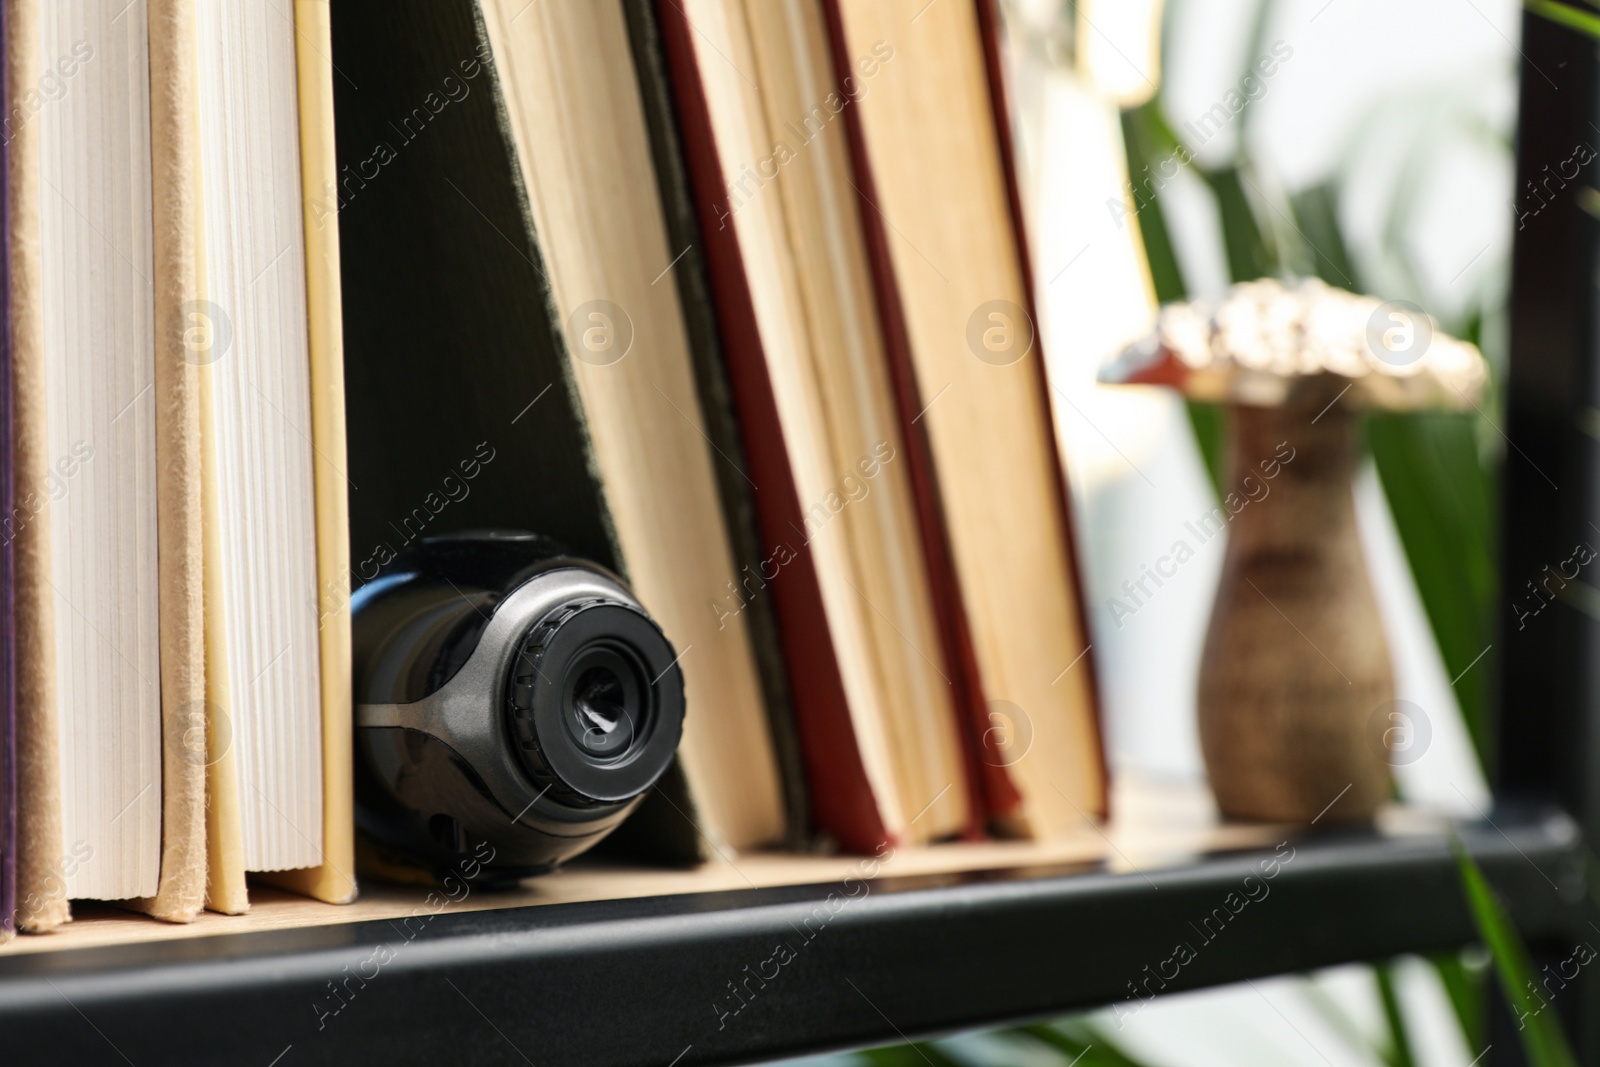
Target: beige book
pixel 783 148
pixel 277 531
pixel 934 159
pixel 114 411
pixel 41 889
pixel 575 112
pixel 111 675
pixel 334 879
pixel 177 381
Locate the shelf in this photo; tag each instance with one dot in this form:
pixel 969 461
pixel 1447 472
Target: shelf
pixel 1157 824
pixel 646 979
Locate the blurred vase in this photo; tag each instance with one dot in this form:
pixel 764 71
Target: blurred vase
pixel 1296 662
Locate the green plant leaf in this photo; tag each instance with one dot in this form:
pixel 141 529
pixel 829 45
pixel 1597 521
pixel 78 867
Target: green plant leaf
pixel 1210 425
pixel 1316 218
pixel 1398 1053
pixel 1566 15
pixel 1464 986
pixel 1250 255
pixel 1147 150
pixel 1150 147
pixel 1540 1030
pixel 1336 1017
pixel 1442 499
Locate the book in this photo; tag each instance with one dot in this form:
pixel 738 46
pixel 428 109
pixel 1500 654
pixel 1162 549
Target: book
pixel 266 335
pixel 8 625
pixel 176 384
pixel 107 588
pixel 931 170
pixel 264 683
pixel 516 355
pixel 42 861
pixel 250 332
pixel 721 423
pixel 875 704
pixel 334 879
pixel 98 467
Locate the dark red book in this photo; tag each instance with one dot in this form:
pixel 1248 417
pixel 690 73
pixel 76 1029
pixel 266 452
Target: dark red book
pixel 878 696
pixel 951 275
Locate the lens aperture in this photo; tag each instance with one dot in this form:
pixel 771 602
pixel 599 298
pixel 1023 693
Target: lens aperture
pixel 603 700
pixel 600 711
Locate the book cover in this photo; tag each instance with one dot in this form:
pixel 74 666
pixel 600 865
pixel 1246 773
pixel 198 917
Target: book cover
pixel 333 881
pixel 8 632
pixel 716 398
pixel 989 26
pixel 946 390
pixel 173 149
pixel 843 801
pixel 41 888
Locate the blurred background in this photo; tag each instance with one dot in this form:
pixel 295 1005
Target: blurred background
pixel 1167 151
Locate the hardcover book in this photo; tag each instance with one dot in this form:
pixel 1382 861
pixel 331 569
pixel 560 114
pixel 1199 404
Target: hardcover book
pixel 516 350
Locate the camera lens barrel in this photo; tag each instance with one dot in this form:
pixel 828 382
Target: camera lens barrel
pixel 512 702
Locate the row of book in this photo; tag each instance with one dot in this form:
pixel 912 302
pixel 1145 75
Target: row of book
pixel 726 295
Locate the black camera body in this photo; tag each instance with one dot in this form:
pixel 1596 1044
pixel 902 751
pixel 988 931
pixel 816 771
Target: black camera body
pixel 506 695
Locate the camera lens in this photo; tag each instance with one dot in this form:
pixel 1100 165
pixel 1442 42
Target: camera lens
pixel 506 695
pixel 602 701
pixel 600 712
pixel 595 701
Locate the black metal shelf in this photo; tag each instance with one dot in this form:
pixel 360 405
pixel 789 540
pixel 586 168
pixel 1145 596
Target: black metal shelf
pixel 647 981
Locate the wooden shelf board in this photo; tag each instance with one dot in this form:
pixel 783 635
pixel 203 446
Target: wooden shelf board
pixel 1157 825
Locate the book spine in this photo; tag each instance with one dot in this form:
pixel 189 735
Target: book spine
pixel 8 632
pixel 174 151
pixel 41 888
pixel 716 405
pixel 992 791
pixel 843 803
pixel 994 60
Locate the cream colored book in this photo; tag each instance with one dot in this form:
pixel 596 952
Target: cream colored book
pixel 120 414
pixel 334 879
pixel 574 110
pixel 934 167
pixel 110 672
pixel 768 80
pixel 277 578
pixel 42 902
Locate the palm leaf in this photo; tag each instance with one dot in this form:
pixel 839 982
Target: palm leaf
pixel 1251 254
pixel 1464 986
pixel 1398 1053
pixel 1316 218
pixel 1542 1039
pixel 1335 1016
pixel 1566 15
pixel 1148 143
pixel 1442 499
